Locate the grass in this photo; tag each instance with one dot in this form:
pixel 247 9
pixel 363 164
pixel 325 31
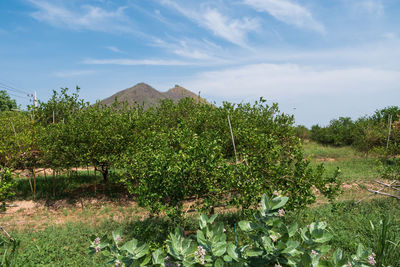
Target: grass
pixel 61 236
pixel 72 187
pixel 67 245
pixel 353 165
pixel 317 151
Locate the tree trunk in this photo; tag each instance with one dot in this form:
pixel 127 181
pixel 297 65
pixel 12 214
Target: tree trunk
pixel 104 172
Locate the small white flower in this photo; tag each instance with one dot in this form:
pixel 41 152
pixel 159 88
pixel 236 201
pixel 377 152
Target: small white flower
pixel 118 238
pixel 281 212
pixel 371 259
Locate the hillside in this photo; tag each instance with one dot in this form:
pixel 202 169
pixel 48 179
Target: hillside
pixel 143 93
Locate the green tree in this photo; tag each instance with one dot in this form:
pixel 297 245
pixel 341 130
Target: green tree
pixel 99 134
pixel 6 103
pixel 61 104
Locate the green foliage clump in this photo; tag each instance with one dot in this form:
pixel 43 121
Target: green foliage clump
pixel 6 103
pixel 273 243
pixel 339 132
pixel 7 186
pixel 15 139
pixel 185 150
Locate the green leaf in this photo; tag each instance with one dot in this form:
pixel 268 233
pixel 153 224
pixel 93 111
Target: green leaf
pixel 218 249
pixel 247 226
pixel 158 256
pixel 231 250
pixel 203 221
pixel 212 218
pixel 254 252
pixel 130 246
pixel 278 202
pixel 219 263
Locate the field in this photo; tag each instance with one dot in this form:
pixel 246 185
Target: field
pixel 57 230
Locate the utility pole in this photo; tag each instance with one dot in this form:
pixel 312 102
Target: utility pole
pixel 33 107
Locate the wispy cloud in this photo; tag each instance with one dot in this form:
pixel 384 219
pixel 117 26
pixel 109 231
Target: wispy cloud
pixel 114 49
pixel 279 81
pixel 287 12
pixel 87 17
pixel 231 29
pixel 73 73
pixel 135 62
pixel 189 48
pixel 374 7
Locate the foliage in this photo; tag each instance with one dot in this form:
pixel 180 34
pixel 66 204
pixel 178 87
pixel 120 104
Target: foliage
pixel 388 253
pixel 185 150
pixel 7 185
pixel 6 103
pixel 16 142
pixel 367 134
pixel 273 244
pixel 63 105
pixel 302 132
pixel 9 250
pixel 339 132
pixel 101 134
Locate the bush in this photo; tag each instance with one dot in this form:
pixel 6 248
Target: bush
pixel 273 243
pixel 7 185
pixel 185 150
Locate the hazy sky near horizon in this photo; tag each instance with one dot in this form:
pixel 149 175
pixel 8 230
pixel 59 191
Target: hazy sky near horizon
pixel 317 59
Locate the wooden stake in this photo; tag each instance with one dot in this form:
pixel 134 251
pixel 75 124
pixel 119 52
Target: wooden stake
pixel 54 183
pixel 95 180
pixel 382 193
pixel 53 117
pixel 233 139
pixel 390 128
pixel 7 234
pixel 388 185
pixel 34 184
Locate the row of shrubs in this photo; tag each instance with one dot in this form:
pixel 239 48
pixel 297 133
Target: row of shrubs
pixel 171 152
pixel 366 134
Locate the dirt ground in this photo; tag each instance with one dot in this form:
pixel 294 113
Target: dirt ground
pixel 38 215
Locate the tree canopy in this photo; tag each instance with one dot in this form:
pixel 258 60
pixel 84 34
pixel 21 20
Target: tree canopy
pixel 6 103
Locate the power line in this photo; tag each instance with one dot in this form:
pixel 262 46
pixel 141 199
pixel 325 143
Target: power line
pixel 12 88
pixel 11 94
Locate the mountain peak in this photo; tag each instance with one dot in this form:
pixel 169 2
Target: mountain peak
pixel 144 94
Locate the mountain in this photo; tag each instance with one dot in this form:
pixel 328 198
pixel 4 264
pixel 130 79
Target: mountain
pixel 143 93
pixel 178 92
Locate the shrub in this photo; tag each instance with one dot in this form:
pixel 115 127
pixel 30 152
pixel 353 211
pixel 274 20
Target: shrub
pixel 273 243
pixel 7 185
pixel 185 150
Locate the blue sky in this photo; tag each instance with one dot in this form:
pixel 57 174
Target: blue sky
pixel 318 59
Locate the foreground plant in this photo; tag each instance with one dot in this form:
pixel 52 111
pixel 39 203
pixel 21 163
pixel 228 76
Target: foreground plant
pixel 273 243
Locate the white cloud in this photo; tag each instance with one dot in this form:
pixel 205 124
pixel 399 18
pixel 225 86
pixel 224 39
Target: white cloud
pixel 230 29
pixel 199 50
pixel 288 12
pixel 73 73
pixel 114 49
pixel 135 62
pixel 233 30
pixel 279 81
pixel 88 17
pixel 374 7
